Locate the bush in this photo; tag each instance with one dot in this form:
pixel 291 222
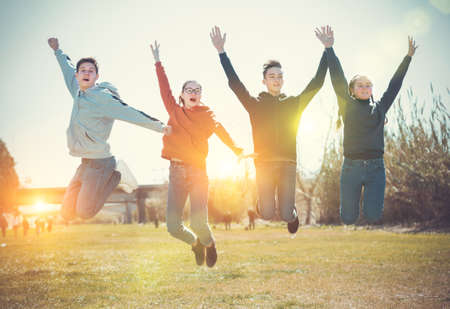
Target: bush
pixel 418 164
pixel 327 193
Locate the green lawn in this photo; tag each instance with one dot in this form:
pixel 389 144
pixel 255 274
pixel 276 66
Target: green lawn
pixel 131 266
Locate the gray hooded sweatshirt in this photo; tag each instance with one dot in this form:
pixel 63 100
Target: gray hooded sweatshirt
pixel 93 115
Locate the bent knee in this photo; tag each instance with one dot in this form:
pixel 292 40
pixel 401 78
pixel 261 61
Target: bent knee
pixel 85 214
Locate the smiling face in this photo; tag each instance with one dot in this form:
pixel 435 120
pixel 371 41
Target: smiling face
pixel 86 75
pixel 360 87
pixel 273 79
pixel 191 94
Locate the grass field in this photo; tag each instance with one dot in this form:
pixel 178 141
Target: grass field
pixel 131 266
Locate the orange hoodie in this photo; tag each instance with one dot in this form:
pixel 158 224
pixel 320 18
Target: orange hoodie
pixel 191 128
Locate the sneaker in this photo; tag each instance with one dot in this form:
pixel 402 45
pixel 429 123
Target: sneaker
pixel 293 226
pixel 211 255
pixel 199 251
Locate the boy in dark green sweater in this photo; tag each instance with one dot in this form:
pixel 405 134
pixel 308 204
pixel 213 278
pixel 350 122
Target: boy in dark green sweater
pixel 275 118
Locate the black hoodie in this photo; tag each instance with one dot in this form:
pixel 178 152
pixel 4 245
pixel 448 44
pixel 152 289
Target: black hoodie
pixel 274 119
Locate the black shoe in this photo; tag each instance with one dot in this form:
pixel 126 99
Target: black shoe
pixel 199 251
pixel 293 226
pixel 211 255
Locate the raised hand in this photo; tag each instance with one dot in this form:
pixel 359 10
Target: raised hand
pixel 412 46
pixel 155 51
pixel 53 43
pixel 217 39
pixel 325 35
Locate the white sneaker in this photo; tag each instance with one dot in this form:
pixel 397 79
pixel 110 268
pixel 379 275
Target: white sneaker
pixel 128 182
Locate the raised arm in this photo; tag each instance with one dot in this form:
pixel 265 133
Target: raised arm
pixel 66 65
pixel 396 82
pixel 338 80
pixel 315 84
pixel 233 80
pixel 164 86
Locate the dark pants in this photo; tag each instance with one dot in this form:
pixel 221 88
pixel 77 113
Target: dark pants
pixel 276 183
pixel 88 190
pixel 251 225
pixel 184 180
pixel 356 174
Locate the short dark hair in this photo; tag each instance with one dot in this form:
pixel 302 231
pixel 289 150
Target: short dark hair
pixel 270 64
pixel 90 60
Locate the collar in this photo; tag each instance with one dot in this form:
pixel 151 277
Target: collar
pixel 267 96
pixel 363 101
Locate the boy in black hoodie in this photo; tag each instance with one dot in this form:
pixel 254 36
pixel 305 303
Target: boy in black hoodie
pixel 275 119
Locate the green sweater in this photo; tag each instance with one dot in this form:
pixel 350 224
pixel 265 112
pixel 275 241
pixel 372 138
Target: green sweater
pixel 274 119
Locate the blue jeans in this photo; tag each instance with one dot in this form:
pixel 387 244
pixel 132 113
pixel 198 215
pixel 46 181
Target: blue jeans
pixel 275 181
pixel 88 190
pixel 356 174
pixel 184 180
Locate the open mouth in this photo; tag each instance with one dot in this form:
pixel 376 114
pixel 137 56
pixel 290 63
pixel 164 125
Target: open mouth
pixel 86 79
pixel 193 100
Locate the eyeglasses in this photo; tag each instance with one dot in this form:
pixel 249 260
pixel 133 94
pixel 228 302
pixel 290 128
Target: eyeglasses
pixel 192 90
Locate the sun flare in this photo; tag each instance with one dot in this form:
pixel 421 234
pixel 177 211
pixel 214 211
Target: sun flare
pixel 41 207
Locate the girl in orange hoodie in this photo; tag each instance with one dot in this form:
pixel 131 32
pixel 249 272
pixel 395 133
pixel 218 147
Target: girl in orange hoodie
pixel 186 147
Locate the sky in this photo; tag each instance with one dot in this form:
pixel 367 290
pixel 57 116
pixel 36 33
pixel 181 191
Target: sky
pixel 370 39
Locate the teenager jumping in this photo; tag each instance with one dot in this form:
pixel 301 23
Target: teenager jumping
pixel 95 107
pixel 364 120
pixel 186 148
pixel 275 118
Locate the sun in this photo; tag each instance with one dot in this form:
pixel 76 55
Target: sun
pixel 41 207
pixel 228 169
pixel 225 165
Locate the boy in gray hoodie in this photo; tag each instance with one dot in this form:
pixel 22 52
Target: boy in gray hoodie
pixel 95 107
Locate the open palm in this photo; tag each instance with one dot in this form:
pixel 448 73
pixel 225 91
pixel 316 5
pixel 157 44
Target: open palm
pixel 217 39
pixel 325 35
pixel 155 51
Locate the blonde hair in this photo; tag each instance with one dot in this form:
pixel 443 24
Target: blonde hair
pixel 351 85
pixel 352 82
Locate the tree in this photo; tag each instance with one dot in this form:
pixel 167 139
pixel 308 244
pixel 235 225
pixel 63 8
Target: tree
pixel 9 182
